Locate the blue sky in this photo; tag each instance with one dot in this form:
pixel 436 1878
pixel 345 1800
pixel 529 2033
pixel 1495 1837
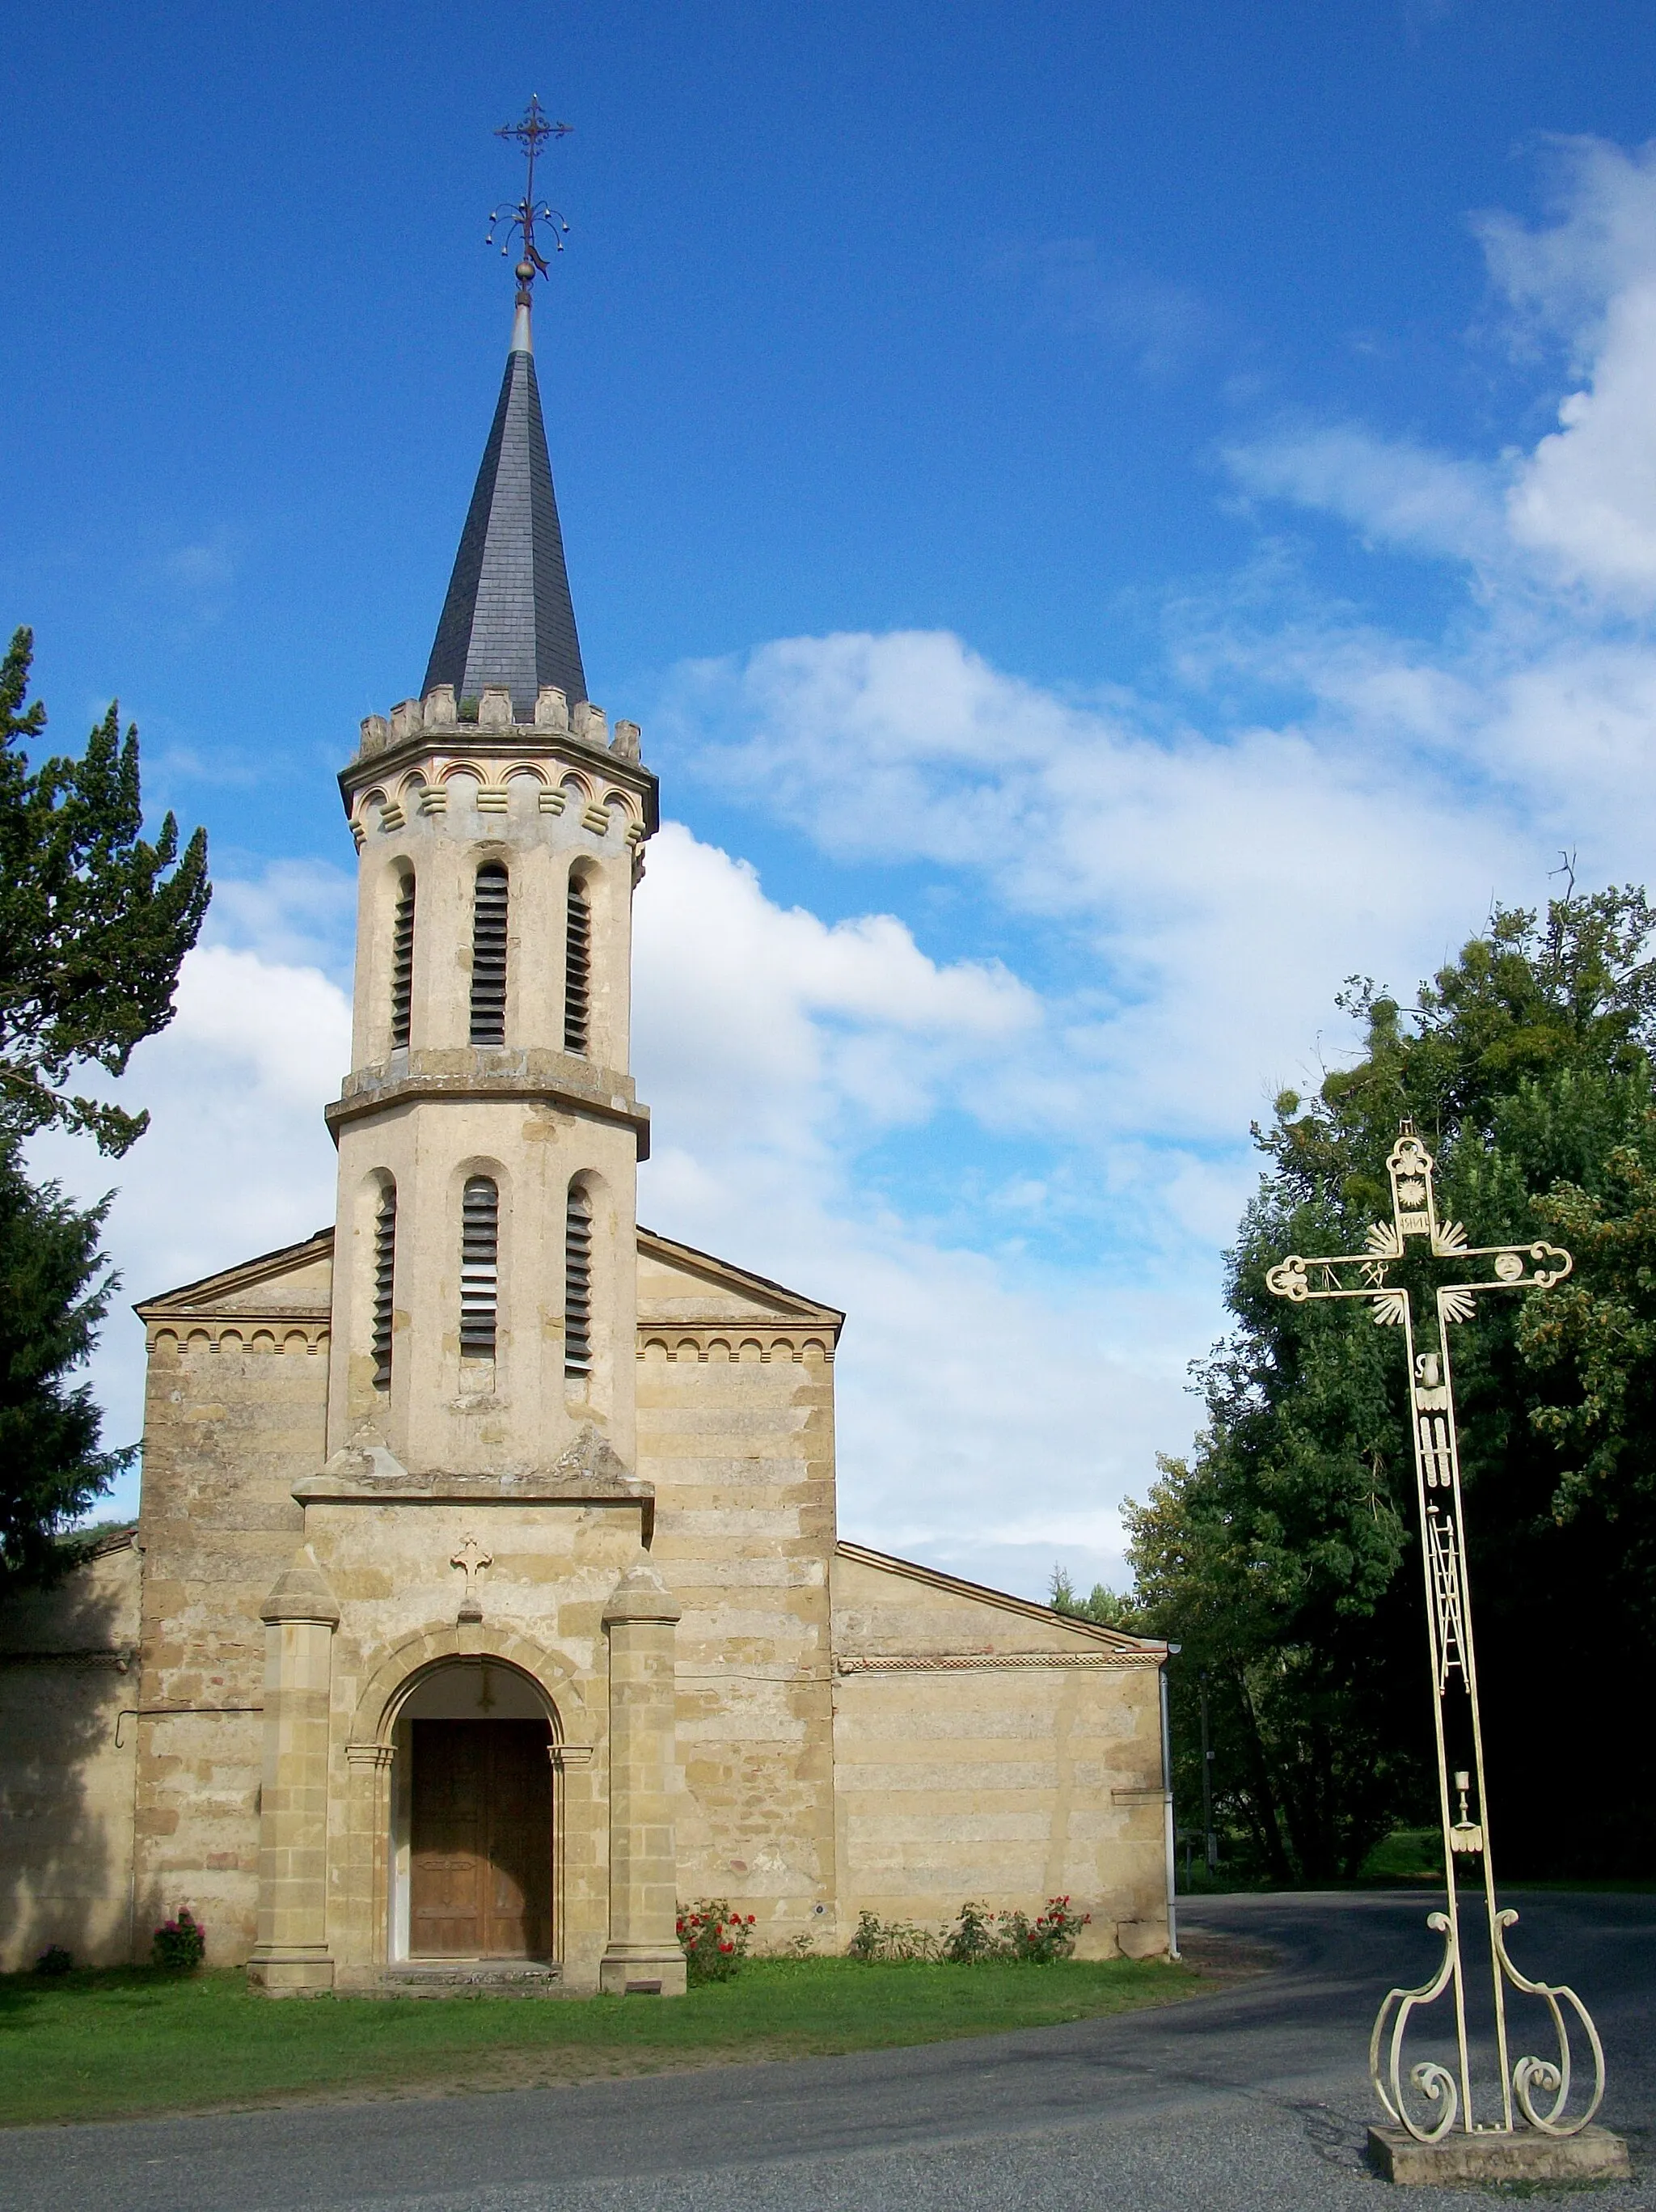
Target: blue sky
pixel 1076 496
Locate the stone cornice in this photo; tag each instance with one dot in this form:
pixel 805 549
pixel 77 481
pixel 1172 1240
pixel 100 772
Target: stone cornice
pixel 957 1663
pixel 589 1474
pixel 283 1329
pixel 692 1343
pixel 550 1078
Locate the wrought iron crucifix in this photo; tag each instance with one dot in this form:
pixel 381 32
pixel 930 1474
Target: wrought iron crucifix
pixel 1540 2087
pixel 531 133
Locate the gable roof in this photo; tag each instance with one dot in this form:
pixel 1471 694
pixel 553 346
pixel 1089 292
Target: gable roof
pixel 1094 1631
pixel 725 1275
pixel 213 1293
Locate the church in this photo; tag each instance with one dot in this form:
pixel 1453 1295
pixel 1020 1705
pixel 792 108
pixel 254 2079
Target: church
pixel 486 1599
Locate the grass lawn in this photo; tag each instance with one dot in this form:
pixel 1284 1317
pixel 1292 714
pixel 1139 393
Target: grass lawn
pixel 104 2044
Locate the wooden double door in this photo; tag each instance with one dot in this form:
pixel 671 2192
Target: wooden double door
pixel 480 1840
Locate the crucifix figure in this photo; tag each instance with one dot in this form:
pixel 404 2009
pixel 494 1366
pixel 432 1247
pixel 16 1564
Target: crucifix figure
pixel 472 1559
pixel 531 133
pixel 1539 2086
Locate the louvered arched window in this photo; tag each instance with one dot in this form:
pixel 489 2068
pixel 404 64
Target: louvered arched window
pixel 480 1254
pixel 577 1285
pixel 384 1283
pixel 402 962
pixel 576 967
pixel 489 919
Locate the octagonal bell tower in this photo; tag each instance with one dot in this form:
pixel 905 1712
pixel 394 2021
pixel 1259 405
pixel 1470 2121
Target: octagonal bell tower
pixel 489 1132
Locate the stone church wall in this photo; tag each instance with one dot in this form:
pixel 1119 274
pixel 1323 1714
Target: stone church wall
pixel 736 1431
pixel 235 1413
pixel 68 1680
pixel 985 1749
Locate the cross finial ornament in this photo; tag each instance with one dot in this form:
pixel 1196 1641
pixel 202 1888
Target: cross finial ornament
pixel 531 131
pixel 472 1559
pixel 1540 2087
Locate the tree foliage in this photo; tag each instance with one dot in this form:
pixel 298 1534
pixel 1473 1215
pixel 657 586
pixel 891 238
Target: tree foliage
pixel 57 1290
pixel 95 919
pixel 95 922
pixel 1281 1552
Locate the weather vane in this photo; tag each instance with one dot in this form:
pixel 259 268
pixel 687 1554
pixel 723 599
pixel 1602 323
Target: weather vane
pixel 1537 2090
pixel 531 133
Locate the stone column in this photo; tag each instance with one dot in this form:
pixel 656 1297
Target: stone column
pixel 362 1944
pixel 644 1951
pixel 290 1957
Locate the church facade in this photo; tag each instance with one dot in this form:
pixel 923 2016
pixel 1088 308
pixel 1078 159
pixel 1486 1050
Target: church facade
pixel 487 1599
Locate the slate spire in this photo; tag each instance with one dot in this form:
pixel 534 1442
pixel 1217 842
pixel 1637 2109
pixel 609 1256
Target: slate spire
pixel 508 617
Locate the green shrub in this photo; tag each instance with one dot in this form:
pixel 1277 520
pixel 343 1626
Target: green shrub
pixel 180 1945
pixel 972 1937
pixel 891 1939
pixel 54 1960
pixel 980 1934
pixel 714 1939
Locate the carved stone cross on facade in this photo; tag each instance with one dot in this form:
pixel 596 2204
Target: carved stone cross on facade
pixel 1540 2087
pixel 472 1559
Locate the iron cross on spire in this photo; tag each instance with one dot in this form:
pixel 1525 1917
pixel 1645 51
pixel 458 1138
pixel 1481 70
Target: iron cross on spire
pixel 531 133
pixel 1540 2087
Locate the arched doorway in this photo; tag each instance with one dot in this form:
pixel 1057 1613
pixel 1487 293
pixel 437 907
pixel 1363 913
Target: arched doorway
pixel 474 1816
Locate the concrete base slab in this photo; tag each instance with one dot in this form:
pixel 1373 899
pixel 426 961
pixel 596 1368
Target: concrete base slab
pixel 442 1977
pixel 1595 2154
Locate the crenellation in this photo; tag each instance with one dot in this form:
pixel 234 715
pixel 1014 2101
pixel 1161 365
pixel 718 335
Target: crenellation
pixel 495 707
pixel 442 710
pixel 407 720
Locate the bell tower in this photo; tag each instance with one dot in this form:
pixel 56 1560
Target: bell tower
pixel 489 1132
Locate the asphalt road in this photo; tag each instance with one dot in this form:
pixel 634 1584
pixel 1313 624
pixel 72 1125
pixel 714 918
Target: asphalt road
pixel 1255 2097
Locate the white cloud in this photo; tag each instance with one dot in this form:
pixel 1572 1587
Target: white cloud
pixel 1395 491
pixel 1190 881
pixel 775 1051
pixel 236 1160
pixel 298 912
pixel 1585 498
pixel 1216 886
pixel 1579 508
pixel 1018 1183
pixel 769 1024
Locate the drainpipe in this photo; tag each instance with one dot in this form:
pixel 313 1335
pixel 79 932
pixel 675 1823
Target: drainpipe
pixel 1167 1801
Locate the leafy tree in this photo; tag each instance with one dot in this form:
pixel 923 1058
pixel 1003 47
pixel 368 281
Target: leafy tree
pixel 1281 1552
pixel 94 919
pixel 95 922
pixel 57 1290
pixel 1108 1608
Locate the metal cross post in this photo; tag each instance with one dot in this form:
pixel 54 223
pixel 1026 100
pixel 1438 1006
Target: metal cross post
pixel 1539 2086
pixel 522 215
